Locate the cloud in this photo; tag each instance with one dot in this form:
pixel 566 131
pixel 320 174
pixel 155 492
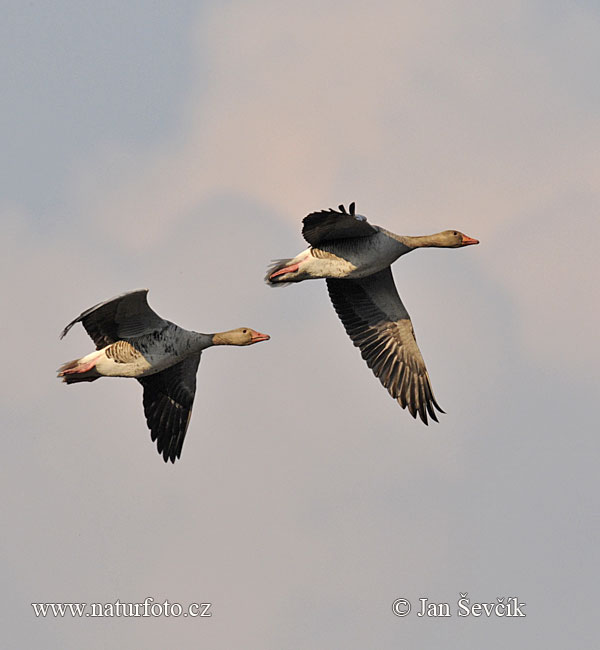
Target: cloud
pixel 296 113
pixel 302 482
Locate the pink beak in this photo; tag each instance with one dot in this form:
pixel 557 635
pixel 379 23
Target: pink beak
pixel 257 337
pixel 466 241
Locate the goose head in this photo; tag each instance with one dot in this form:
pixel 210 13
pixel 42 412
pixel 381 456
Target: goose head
pixel 453 239
pixel 239 336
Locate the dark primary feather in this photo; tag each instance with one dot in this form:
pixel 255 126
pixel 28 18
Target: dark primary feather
pixel 329 225
pixel 379 325
pixel 123 317
pixel 168 401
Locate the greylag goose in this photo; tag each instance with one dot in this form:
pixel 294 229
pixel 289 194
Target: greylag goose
pixel 354 257
pixel 133 341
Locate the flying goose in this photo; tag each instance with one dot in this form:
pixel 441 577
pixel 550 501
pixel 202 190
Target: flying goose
pixel 133 341
pixel 354 257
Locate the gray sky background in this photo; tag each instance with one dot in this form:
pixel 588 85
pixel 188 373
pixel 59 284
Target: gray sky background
pixel 178 148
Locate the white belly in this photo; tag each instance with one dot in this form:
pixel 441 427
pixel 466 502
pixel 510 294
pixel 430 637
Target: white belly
pixel 135 368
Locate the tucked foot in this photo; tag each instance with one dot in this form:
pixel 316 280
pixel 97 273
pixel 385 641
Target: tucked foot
pixel 285 269
pixel 76 371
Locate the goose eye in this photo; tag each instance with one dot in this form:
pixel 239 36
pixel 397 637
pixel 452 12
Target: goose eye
pixel 244 331
pixel 455 233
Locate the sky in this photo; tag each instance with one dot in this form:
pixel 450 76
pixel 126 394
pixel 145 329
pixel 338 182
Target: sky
pixel 177 147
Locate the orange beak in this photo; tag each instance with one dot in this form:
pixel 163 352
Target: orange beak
pixel 467 241
pixel 257 337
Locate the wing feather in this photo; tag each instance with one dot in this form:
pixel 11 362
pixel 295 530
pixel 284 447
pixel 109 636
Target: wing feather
pixel 329 225
pixel 168 401
pixel 379 325
pixel 121 318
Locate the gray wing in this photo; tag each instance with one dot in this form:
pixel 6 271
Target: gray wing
pixel 168 400
pixel 124 317
pixel 329 225
pixel 378 323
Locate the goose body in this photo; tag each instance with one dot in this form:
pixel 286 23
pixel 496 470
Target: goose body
pixel 354 257
pixel 133 341
pixel 345 258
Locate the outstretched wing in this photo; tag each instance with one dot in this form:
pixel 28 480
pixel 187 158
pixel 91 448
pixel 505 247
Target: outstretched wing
pixel 168 400
pixel 378 323
pixel 124 317
pixel 328 225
